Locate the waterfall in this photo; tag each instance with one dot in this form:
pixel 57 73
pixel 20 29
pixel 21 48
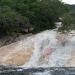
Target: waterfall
pixel 46 49
pixel 51 49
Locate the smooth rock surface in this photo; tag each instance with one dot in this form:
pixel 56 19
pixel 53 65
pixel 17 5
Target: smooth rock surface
pixel 46 49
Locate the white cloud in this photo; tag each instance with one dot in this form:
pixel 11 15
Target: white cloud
pixel 69 1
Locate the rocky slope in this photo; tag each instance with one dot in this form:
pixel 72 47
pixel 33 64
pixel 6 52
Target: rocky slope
pixel 48 48
pixel 16 53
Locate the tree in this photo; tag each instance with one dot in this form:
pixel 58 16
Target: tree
pixel 68 22
pixel 17 15
pixel 12 22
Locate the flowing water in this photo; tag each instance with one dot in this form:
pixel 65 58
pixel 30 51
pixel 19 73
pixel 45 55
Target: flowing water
pixel 51 49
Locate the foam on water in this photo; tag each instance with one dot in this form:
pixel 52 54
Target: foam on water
pixel 43 73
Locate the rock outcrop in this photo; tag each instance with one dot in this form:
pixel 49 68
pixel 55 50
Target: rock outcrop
pixel 17 53
pixel 46 48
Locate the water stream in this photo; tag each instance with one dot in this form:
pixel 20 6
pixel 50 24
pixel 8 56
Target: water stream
pixel 51 49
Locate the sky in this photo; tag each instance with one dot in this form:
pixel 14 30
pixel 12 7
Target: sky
pixel 69 1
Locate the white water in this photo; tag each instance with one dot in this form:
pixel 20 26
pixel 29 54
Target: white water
pixel 43 73
pixel 50 51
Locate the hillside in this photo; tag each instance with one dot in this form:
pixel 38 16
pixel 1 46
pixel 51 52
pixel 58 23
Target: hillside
pixel 72 7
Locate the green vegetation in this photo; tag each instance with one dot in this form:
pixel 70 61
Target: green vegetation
pixel 24 16
pixel 68 19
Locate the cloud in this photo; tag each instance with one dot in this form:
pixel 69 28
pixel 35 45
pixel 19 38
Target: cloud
pixel 69 1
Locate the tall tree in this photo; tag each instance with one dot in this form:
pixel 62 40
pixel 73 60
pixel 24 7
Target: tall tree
pixel 39 14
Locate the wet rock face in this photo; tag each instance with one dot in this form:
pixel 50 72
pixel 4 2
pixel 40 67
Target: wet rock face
pixel 62 38
pixel 71 60
pixel 45 48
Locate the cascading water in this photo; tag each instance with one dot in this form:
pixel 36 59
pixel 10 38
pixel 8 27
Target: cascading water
pixel 40 52
pixel 51 49
pixel 43 41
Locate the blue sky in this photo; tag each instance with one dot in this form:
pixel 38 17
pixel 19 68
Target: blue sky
pixel 69 1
